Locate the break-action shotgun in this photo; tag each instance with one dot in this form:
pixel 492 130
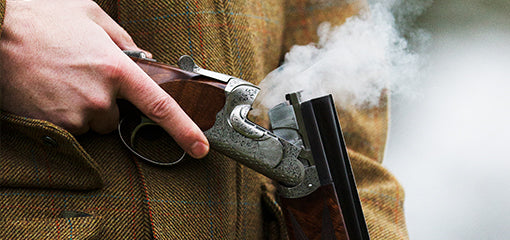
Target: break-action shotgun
pixel 305 152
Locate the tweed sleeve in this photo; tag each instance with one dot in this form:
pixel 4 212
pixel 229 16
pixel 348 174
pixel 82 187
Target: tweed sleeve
pixel 302 18
pixel 2 12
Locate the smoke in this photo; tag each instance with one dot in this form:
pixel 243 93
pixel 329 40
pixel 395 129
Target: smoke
pixel 357 60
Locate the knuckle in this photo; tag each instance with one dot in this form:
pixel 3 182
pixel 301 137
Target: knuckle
pixel 160 109
pixel 109 67
pixel 127 38
pixel 73 124
pixel 100 104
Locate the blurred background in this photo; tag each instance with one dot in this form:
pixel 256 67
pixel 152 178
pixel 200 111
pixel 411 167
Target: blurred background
pixel 449 145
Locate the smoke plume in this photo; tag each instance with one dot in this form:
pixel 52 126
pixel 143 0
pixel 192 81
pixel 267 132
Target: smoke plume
pixel 356 61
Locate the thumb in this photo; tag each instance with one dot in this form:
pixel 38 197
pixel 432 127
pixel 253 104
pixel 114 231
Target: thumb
pixel 138 88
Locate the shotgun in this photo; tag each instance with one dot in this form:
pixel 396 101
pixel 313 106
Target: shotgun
pixel 304 152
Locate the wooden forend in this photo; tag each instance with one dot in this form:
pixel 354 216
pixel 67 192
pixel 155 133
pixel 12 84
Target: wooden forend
pixel 199 96
pixel 316 216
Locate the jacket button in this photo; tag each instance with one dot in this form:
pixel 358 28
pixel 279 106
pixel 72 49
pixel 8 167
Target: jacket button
pixel 49 141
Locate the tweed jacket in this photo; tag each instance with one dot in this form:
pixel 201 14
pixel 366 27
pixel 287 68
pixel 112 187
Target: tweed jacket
pixel 54 185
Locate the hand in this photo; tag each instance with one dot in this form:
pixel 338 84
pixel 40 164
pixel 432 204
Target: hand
pixel 62 61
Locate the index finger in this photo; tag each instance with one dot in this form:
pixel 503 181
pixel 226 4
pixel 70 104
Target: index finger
pixel 138 88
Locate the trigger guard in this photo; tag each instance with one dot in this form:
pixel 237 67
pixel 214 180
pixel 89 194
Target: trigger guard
pixel 130 147
pixel 144 122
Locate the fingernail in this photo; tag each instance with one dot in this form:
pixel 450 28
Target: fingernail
pixel 199 149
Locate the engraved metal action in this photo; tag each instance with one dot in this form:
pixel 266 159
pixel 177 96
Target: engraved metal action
pixel 305 153
pixel 286 159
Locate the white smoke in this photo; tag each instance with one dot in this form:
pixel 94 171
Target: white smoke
pixel 355 61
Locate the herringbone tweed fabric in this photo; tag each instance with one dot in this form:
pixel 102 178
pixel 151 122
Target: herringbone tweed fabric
pixel 54 185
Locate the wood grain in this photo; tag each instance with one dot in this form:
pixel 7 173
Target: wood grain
pixel 315 216
pixel 199 96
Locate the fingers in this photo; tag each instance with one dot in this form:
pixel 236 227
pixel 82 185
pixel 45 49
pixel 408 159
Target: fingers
pixel 138 88
pixel 98 113
pixel 121 38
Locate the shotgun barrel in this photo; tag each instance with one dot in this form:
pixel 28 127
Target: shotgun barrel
pixel 333 210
